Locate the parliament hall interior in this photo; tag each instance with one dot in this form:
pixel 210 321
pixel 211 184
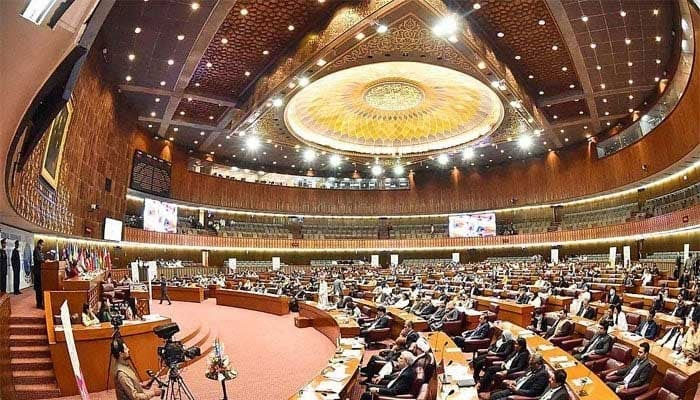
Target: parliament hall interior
pixel 349 199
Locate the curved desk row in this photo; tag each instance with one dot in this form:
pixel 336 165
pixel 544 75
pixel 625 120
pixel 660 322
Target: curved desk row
pixel 180 293
pixel 448 353
pixel 267 303
pixel 664 320
pixel 596 389
pixel 509 310
pixel 663 357
pixel 398 318
pixel 333 324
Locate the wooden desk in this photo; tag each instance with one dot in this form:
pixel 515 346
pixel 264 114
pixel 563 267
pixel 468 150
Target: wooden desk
pixel 597 390
pixel 52 275
pixel 445 350
pixel 662 319
pixel 557 303
pixel 178 293
pixel 83 283
pixel 333 324
pixel 661 356
pixel 398 318
pixel 268 303
pixel 349 360
pixel 519 314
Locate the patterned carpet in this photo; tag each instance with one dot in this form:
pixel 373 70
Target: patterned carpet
pixel 273 357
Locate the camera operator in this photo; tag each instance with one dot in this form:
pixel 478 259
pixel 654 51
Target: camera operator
pixel 126 383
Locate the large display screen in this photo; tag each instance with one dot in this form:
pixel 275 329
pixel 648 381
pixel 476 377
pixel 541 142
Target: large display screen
pixel 472 225
pixel 112 230
pixel 159 216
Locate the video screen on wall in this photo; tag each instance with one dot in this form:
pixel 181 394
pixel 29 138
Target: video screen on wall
pixel 112 230
pixel 472 225
pixel 159 216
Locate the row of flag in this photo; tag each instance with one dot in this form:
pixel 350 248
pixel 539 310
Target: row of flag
pixel 87 258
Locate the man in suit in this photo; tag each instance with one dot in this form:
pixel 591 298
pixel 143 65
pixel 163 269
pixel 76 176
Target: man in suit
pixel 516 361
pixel 481 332
pixel 557 387
pixel 38 258
pixel 15 267
pixel 451 314
pixel 532 384
pixel 673 337
pixel 403 381
pixel 523 296
pixel 600 343
pixel 428 309
pixel 612 297
pixel 586 311
pixel 164 290
pixel 561 328
pixel 381 322
pixel 680 309
pixel 501 348
pixel 3 266
pixel 539 322
pixel 634 375
pixel 648 328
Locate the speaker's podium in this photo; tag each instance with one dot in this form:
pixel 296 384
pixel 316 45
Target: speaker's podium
pixel 52 275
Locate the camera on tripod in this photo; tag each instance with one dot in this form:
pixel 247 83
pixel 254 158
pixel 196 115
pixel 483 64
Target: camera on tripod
pixel 173 352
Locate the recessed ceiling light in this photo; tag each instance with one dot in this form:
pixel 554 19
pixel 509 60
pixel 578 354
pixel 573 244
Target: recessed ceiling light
pixel 628 41
pixel 180 37
pixel 605 100
pixel 131 57
pixel 602 86
pixel 531 76
pixel 321 62
pixel 265 52
pixel 564 69
pixel 176 129
pixel 162 83
pixel 555 47
pixel 580 113
pixel 303 81
pixel 211 117
pixel 201 133
pixel 656 79
pixel 128 78
pixel 556 117
pixel 290 27
pixel 607 113
pixel 566 139
pixel 244 11
pixel 360 36
pixel 137 30
pixel 196 84
pixel 656 11
pixel 209 64
pixel 629 63
pixel 153 113
pixel 630 81
pixel 218 145
pixel 658 38
pixel 607 123
pixel 150 125
pixel 541 22
pixel 247 73
pixel 195 6
pixel 224 40
pixel 584 18
pixel 658 61
pixel 171 61
pixel 598 67
pixel 593 45
pixel 182 113
pixel 476 6
pixel 500 34
pixel 196 142
pixel 171 138
pixel 623 13
pixel 211 152
pixel 381 28
pixel 541 92
pixel 157 99
pixel 517 57
pixel 572 86
pixel 631 110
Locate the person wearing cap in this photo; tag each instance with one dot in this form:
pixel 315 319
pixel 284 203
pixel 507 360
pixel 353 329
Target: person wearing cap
pixel 3 266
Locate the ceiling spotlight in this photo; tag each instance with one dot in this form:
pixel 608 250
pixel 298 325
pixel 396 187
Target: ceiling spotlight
pixel 162 83
pixel 525 141
pixel 398 169
pixel 224 40
pixel 252 143
pixel 541 22
pixel 303 81
pixel 180 37
pixel 593 45
pixel 376 170
pixel 321 62
pixel 623 13
pixel 630 81
pixel 201 133
pixel 629 63
pixel 381 28
pixel 182 113
pixel 128 78
pixel 265 52
pixel 290 27
pixel 209 64
pixel 171 62
pixel 157 99
pixel 150 125
pixel 334 160
pixel 500 34
pixel 658 61
pixel 476 6
pixel 447 26
pixel 244 11
pixel 468 153
pixel 564 69
pixel 572 86
pixel 541 92
pixel 189 99
pixel 515 104
pixel 555 47
pixel 658 38
pixel 131 57
pixel 481 65
pixel 443 159
pixel 656 11
pixel 153 113
pixel 195 6
pixel 137 30
pixel 309 155
pixel 584 18
pixel 247 73
pixel 360 36
pixel 628 41
pixel 598 67
pixel 277 102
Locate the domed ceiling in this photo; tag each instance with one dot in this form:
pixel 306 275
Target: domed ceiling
pixel 393 108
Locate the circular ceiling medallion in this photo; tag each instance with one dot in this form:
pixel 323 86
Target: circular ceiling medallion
pixel 393 108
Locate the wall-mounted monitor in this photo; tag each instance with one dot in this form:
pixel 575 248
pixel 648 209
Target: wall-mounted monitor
pixel 472 225
pixel 113 229
pixel 159 216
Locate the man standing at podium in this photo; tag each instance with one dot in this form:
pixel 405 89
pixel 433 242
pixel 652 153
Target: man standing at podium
pixel 38 257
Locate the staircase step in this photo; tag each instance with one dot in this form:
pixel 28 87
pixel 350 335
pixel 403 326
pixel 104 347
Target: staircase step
pixel 27 329
pixel 31 364
pixel 36 392
pixel 27 320
pixel 33 377
pixel 41 351
pixel 28 340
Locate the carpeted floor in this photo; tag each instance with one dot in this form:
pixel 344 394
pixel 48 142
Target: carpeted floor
pixel 273 357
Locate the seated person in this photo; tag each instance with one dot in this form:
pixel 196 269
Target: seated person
pixel 690 345
pixel 451 314
pixel 523 296
pixel 532 384
pixel 612 297
pixel 480 332
pixel 586 311
pixel 89 318
pixel 127 384
pixel 680 309
pixel 403 381
pixel 501 348
pixel 636 374
pixel 619 319
pixel 516 361
pixel 536 300
pixel 428 308
pixel 104 315
pixel 436 317
pixel 402 302
pixel 673 337
pixel 557 387
pixel 539 322
pixel 352 309
pixel 562 327
pixel 381 322
pixel 693 311
pixel 600 344
pixel 648 328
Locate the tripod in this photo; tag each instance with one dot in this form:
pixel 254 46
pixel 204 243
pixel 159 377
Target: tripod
pixel 175 388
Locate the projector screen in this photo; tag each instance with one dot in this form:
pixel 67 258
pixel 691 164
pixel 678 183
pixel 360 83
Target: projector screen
pixel 112 230
pixel 159 216
pixel 472 225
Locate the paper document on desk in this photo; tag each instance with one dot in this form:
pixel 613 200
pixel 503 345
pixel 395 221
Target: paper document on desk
pixel 354 343
pixel 352 354
pixel 457 371
pixel 330 386
pixel 632 336
pixel 567 364
pixel 453 350
pixel 558 359
pixel 585 322
pixel 545 347
pixel 582 381
pixel 526 334
pixel 337 375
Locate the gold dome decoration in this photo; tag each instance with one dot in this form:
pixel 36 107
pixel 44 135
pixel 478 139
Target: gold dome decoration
pixel 393 108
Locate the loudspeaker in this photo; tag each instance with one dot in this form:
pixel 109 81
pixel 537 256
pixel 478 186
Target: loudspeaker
pixel 108 185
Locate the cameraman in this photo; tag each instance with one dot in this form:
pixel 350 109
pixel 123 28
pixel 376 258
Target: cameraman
pixel 126 383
